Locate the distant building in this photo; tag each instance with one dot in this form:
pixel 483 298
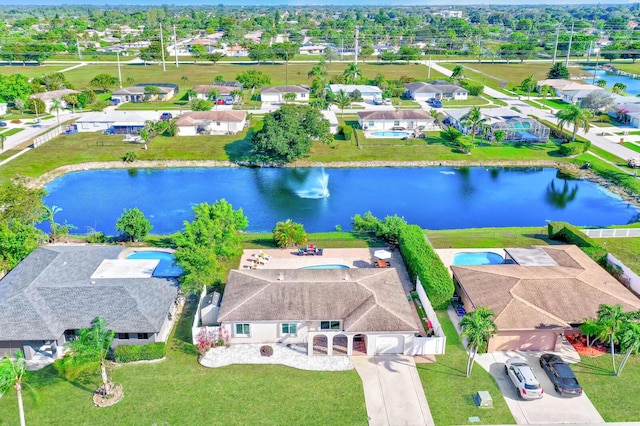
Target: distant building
pixel 276 93
pixel 437 89
pixel 142 92
pixel 211 122
pixel 48 97
pixel 368 93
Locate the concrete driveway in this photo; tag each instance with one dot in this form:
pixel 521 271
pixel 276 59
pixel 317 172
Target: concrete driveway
pixel 551 408
pixel 393 391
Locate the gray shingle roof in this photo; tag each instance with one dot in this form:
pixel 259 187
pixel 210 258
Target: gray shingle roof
pixel 285 89
pixel 51 291
pixel 391 115
pixel 437 86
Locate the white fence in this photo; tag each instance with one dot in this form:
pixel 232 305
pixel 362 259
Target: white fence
pixel 628 277
pixel 46 137
pixel 612 233
pixel 433 345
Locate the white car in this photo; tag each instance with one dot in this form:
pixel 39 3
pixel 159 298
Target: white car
pixel 523 378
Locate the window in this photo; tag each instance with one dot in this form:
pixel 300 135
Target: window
pixel 329 325
pixel 218 123
pixel 242 330
pixel 303 95
pixel 122 336
pixel 143 336
pixel 288 328
pixel 371 124
pixel 396 123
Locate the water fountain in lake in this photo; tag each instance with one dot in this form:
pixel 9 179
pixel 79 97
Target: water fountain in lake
pixel 315 185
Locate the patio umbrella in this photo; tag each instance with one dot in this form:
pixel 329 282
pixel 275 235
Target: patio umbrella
pixel 382 254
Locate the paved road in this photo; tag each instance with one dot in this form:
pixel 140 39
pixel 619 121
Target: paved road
pixel 393 392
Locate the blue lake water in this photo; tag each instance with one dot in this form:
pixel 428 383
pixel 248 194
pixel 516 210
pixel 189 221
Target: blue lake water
pixel 633 85
pixel 434 198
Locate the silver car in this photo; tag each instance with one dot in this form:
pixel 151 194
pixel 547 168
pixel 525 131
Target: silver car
pixel 522 376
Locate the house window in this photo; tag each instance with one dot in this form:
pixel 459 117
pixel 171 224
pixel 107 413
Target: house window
pixel 303 95
pixel 122 336
pixel 371 123
pixel 242 330
pixel 143 336
pixel 218 123
pixel 289 328
pixel 329 325
pixel 70 335
pixel 396 123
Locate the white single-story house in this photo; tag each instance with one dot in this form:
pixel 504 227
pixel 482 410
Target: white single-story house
pixel 3 108
pixel 569 91
pixel 404 119
pixel 276 93
pixel 211 122
pixel 48 97
pixel 56 290
pixel 326 309
pixel 224 92
pixel 312 49
pixel 438 89
pixel 116 122
pixel 141 93
pixel 368 93
pixel 541 293
pixel 330 116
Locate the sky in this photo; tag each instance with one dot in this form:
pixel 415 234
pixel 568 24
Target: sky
pixel 304 2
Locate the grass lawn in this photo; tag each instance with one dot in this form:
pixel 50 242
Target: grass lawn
pixel 627 250
pixel 631 145
pixel 489 237
pixel 614 397
pixel 607 155
pixel 554 103
pixel 33 71
pixel 633 68
pixel 324 240
pixel 470 101
pixel 180 391
pixel 609 172
pixel 12 131
pixel 514 73
pixel 450 392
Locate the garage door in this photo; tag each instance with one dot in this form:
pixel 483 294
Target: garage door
pixel 389 345
pixel 538 340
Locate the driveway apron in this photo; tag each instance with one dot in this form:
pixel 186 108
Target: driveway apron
pixel 393 391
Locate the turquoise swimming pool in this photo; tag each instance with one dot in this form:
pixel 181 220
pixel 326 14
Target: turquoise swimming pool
pixel 389 134
pixel 477 258
pixel 167 266
pixel 326 267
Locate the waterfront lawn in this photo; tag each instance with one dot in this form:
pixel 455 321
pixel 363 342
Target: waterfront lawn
pixel 323 239
pixel 608 156
pixel 489 237
pixel 624 249
pixel 180 391
pixel 609 171
pixel 450 393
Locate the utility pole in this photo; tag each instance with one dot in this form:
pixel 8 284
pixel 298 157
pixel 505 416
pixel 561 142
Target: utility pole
pixel 164 67
pixel 429 72
pixel 555 50
pixel 342 48
pixel 566 64
pixel 596 67
pixel 78 46
pixel 175 44
pixel 356 37
pixel 119 71
pixel 589 52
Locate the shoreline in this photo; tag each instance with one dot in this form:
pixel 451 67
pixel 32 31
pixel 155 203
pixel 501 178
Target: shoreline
pixel 589 175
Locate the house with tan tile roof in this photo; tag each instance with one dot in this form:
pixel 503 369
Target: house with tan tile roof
pixel 539 294
pixel 360 306
pixel 211 122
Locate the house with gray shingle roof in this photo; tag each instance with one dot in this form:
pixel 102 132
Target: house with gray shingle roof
pixel 320 307
pixel 57 290
pixel 437 89
pixel 276 93
pixel 402 119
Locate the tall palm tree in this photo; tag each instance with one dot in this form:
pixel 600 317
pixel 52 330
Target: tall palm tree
pixel 473 119
pixel 342 100
pixel 458 72
pixel 610 319
pixel 478 327
pixel 12 376
pixel 317 71
pixel 352 73
pixel 56 106
pixel 575 115
pixel 629 341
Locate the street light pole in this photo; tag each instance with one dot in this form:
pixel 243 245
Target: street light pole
pixel 119 71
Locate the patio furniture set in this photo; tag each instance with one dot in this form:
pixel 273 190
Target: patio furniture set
pixel 310 250
pixel 258 260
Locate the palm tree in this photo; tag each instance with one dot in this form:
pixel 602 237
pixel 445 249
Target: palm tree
pixel 48 215
pixel 317 71
pixel 619 88
pixel 56 106
pixel 289 233
pixel 130 80
pixel 629 341
pixel 610 319
pixel 473 119
pixel 289 97
pixel 352 73
pixel 12 376
pixel 342 100
pixel 184 79
pixel 528 85
pixel 458 72
pixel 92 345
pixel 478 327
pixel 601 82
pixel 191 94
pixel 575 115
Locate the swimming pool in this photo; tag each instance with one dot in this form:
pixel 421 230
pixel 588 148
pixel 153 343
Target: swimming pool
pixel 477 258
pixel 326 267
pixel 390 134
pixel 167 266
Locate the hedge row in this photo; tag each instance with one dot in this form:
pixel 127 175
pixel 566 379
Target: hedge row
pixel 574 148
pixel 424 263
pixel 129 353
pixel 563 231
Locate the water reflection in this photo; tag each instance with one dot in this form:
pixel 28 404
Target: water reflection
pixel 561 197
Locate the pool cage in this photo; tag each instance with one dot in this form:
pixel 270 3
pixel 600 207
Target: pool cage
pixel 519 130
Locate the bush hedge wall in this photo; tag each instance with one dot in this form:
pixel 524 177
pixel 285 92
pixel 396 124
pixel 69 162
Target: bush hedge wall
pixel 129 353
pixel 424 263
pixel 563 231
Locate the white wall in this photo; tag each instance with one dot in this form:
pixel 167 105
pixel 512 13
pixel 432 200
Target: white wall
pixel 628 277
pixel 187 130
pixel 92 127
pixel 269 332
pixel 271 97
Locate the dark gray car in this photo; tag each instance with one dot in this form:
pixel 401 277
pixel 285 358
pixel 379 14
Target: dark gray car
pixel 561 375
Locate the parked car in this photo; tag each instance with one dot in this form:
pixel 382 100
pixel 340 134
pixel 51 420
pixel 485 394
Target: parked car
pixel 388 102
pixel 523 378
pixel 166 116
pixel 436 103
pixel 3 124
pixel 561 375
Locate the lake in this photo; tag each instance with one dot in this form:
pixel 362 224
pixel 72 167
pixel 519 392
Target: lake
pixel 434 198
pixel 633 85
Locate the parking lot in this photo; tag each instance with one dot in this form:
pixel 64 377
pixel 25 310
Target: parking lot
pixel 551 408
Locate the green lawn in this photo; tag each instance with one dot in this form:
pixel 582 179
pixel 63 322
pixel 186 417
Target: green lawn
pixel 471 101
pixel 627 250
pixel 609 172
pixel 632 145
pixel 324 240
pixel 12 131
pixel 607 155
pixel 178 391
pixel 489 237
pixel 33 71
pixel 450 393
pixel 554 103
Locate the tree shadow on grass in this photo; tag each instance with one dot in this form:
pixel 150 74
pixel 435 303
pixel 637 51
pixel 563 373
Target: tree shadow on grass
pixel 240 150
pixel 443 368
pixel 593 370
pixel 181 341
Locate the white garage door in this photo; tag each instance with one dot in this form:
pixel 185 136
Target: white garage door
pixel 389 345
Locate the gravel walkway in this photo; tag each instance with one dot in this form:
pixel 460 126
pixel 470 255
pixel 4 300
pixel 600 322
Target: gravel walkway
pixel 294 356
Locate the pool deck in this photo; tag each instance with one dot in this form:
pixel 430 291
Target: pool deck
pixel 447 254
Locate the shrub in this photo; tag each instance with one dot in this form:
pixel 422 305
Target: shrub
pixel 347 132
pixel 129 157
pixel 129 353
pixel 96 238
pixel 568 233
pixel 571 148
pixel 423 263
pixel 475 89
pixel 16 121
pixel 266 350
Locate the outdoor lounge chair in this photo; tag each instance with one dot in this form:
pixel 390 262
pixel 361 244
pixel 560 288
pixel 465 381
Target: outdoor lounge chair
pixel 302 252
